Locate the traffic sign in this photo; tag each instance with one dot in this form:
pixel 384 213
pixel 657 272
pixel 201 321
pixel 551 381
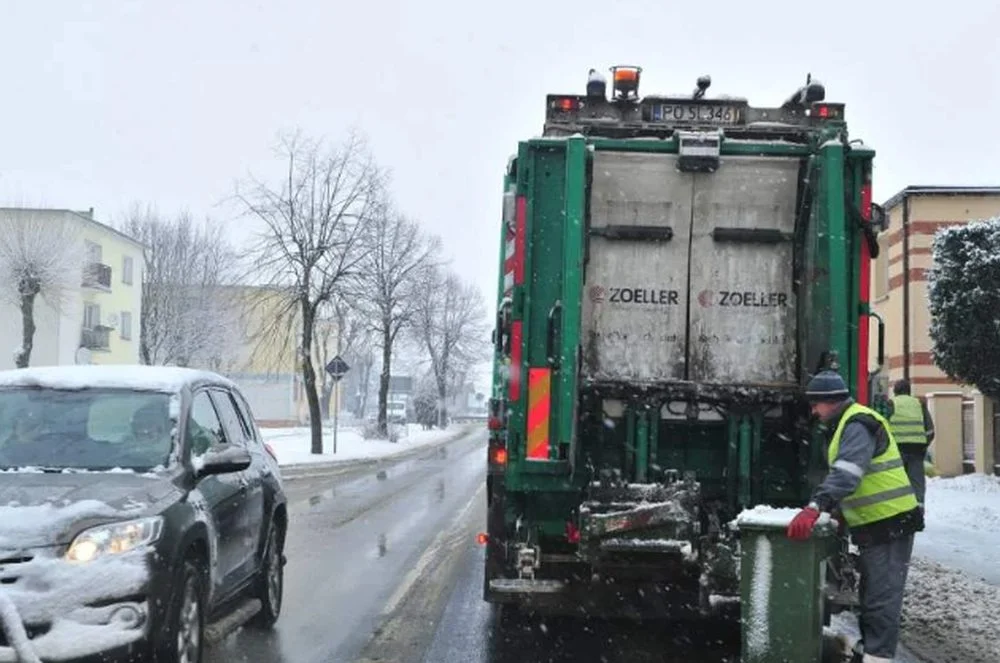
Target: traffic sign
pixel 337 368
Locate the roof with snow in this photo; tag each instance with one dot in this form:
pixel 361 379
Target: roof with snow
pixel 938 190
pixel 170 379
pixel 87 217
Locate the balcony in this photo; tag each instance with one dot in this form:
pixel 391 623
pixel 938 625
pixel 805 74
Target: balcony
pixel 97 275
pixel 96 339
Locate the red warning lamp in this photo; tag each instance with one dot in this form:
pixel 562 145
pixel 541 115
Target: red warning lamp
pixel 565 104
pixel 828 111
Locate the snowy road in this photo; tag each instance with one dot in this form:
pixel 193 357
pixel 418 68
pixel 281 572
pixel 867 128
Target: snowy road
pixel 383 567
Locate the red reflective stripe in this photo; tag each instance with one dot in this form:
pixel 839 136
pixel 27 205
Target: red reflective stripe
pixel 520 227
pixel 515 360
pixel 864 281
pixel 510 253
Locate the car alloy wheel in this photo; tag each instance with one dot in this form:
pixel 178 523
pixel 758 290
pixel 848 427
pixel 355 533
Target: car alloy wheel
pixel 189 624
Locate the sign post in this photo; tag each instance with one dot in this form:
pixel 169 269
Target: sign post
pixel 337 369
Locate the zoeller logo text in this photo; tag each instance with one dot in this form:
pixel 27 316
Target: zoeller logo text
pixel 643 296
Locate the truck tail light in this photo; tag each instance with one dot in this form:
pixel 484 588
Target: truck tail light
pixel 572 532
pixel 498 456
pixel 495 420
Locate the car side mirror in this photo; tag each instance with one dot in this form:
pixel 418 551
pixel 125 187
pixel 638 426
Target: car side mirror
pixel 222 459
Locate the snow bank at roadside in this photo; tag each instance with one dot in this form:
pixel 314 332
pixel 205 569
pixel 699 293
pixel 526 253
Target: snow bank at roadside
pixel 292 446
pixel 963 525
pixel 952 606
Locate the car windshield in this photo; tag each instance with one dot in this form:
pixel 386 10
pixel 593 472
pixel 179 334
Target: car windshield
pixel 91 429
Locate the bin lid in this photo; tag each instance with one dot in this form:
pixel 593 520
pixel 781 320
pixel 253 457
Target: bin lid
pixel 769 518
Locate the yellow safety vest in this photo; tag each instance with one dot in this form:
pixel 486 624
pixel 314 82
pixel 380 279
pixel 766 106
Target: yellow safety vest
pixel 907 422
pixel 885 490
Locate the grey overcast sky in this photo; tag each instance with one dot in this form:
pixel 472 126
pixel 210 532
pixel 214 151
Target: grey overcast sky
pixel 170 102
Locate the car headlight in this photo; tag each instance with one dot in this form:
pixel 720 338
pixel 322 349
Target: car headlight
pixel 114 539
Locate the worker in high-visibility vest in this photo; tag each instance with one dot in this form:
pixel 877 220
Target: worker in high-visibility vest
pixel 914 431
pixel 868 488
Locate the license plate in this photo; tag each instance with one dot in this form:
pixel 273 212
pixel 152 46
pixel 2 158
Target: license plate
pixel 721 114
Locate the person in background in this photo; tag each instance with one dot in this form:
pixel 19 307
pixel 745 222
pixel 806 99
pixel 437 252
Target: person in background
pixel 868 488
pixel 913 429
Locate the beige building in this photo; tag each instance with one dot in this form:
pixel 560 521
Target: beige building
pixel 261 354
pixel 963 419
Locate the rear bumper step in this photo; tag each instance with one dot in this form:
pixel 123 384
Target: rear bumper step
pixel 515 586
pixel 661 546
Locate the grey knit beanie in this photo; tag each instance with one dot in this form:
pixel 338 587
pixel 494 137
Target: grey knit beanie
pixel 827 386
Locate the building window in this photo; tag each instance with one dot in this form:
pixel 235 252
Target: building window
pixel 126 326
pixel 127 270
pixel 91 316
pixel 94 252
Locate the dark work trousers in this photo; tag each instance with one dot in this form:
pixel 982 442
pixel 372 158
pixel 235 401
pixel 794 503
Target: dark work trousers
pixel 883 568
pixel 913 460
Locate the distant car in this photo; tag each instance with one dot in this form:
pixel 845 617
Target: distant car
pixel 140 514
pixel 395 412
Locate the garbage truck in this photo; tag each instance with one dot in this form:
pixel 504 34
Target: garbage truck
pixel 672 271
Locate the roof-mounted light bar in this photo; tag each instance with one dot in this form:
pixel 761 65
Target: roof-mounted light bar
pixel 624 114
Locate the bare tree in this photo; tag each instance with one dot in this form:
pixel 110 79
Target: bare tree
pixel 325 335
pixel 310 243
pixel 389 283
pixel 451 324
pixel 188 314
pixel 38 256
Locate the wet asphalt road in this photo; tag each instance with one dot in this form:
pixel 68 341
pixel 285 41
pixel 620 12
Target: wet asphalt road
pixel 352 540
pixel 383 567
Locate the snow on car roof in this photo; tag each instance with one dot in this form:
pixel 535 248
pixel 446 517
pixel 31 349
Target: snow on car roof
pixel 168 379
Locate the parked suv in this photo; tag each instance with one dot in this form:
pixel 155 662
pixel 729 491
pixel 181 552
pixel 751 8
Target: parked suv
pixel 140 514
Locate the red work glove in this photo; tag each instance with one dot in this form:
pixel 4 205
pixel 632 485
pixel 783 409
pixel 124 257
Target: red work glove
pixel 802 524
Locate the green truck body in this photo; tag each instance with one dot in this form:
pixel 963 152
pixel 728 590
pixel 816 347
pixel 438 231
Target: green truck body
pixel 673 270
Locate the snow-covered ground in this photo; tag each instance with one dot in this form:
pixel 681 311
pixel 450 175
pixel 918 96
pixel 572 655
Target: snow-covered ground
pixel 292 446
pixel 952 607
pixel 963 525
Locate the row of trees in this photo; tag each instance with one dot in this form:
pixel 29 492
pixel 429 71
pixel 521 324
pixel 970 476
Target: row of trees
pixel 337 245
pixel 331 248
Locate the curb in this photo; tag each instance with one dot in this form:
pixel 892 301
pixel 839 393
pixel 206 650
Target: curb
pixel 334 467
